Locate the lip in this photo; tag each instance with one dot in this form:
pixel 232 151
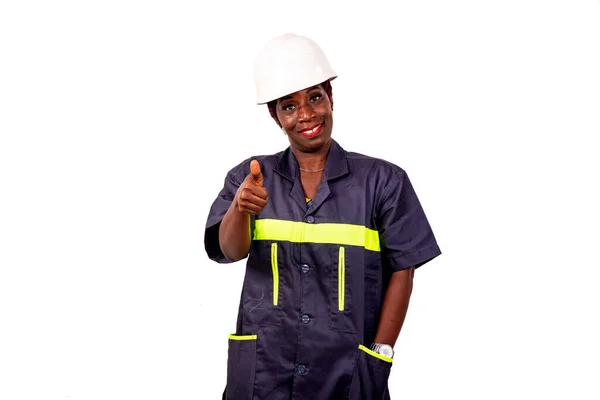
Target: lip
pixel 311 132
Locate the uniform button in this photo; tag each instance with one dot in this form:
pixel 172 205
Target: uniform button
pixel 310 219
pixel 301 369
pixel 305 319
pixel 305 268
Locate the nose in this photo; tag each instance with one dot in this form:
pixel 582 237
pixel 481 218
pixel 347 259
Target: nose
pixel 306 112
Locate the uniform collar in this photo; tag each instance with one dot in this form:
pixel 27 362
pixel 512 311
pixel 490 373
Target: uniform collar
pixel 335 166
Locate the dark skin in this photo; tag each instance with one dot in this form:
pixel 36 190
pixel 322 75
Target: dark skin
pixel 306 118
pixel 250 199
pixel 297 113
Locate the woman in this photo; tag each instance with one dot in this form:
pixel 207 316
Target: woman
pixel 332 239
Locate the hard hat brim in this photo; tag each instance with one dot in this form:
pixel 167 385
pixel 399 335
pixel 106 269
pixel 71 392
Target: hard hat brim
pixel 265 100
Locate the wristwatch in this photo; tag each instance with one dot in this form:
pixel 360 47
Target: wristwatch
pixel 384 349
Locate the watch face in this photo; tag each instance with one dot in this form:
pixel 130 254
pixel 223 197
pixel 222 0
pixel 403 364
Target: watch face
pixel 386 350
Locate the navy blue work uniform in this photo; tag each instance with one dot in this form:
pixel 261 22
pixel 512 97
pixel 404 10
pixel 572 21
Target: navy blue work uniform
pixel 316 276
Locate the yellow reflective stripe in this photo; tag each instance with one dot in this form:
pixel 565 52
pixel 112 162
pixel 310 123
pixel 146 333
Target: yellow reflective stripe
pixel 327 233
pixel 372 353
pixel 242 337
pixel 275 268
pixel 341 279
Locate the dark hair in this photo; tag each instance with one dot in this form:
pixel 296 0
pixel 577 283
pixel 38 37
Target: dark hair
pixel 271 105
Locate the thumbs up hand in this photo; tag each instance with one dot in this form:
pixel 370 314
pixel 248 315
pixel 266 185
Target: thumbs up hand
pixel 251 196
pixel 255 173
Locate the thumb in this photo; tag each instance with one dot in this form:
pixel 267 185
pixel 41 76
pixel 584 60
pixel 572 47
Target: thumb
pixel 255 172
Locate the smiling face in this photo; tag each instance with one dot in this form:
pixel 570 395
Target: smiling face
pixel 306 118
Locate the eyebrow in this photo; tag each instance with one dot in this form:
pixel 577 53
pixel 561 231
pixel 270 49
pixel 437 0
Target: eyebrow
pixel 306 91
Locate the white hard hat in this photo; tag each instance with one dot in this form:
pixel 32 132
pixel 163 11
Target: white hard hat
pixel 289 63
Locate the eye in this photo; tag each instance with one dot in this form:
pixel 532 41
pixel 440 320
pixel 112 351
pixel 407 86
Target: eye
pixel 316 97
pixel 288 107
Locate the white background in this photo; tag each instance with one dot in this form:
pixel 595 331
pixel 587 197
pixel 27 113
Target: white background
pixel 119 120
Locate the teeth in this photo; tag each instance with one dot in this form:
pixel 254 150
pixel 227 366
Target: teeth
pixel 313 130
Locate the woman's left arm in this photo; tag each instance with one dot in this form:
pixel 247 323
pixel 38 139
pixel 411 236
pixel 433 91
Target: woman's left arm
pixel 409 244
pixel 395 306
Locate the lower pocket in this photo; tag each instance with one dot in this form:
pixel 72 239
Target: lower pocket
pixel 371 373
pixel 241 367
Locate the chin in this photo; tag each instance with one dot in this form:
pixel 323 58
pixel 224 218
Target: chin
pixel 316 143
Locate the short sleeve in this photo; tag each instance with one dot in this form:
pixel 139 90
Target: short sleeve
pixel 217 211
pixel 406 236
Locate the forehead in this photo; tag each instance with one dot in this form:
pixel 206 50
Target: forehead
pixel 299 93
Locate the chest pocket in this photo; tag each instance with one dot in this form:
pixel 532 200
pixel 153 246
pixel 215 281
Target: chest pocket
pixel 262 295
pixel 347 288
pixel 341 278
pixel 275 270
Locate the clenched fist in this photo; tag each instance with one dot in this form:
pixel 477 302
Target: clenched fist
pixel 251 196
